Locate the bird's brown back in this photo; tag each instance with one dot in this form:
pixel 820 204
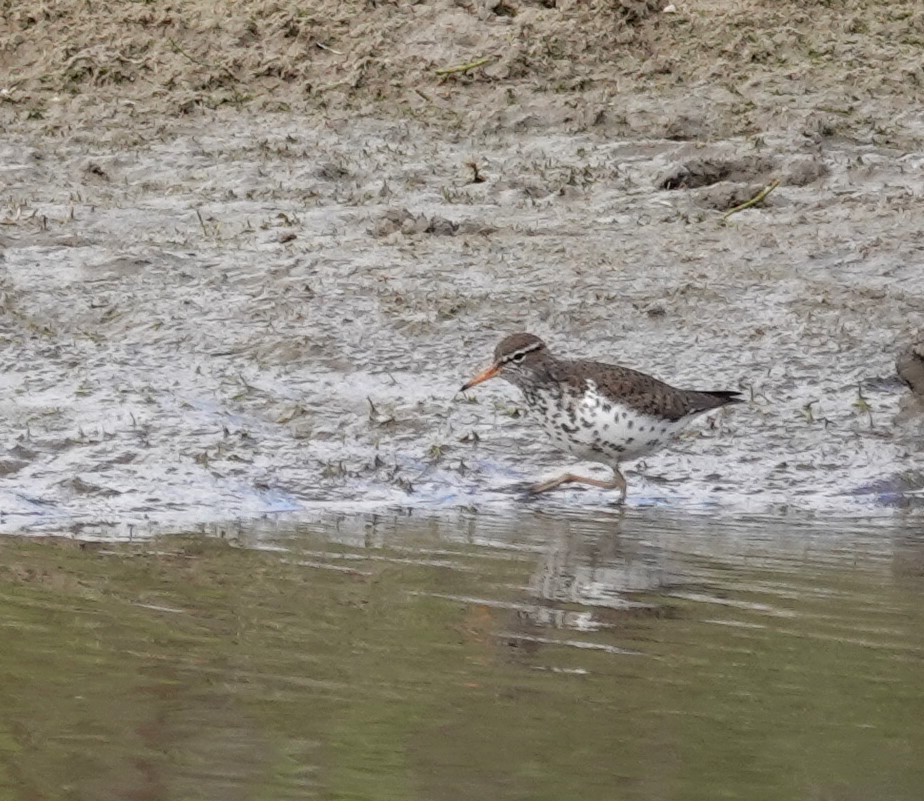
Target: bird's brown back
pixel 640 391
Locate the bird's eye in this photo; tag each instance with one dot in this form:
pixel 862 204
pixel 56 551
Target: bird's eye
pixel 518 357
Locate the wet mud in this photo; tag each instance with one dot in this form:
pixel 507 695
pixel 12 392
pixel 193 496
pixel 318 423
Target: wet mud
pixel 215 309
pixel 241 318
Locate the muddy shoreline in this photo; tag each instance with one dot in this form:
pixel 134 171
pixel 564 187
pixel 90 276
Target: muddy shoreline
pixel 214 313
pixel 236 322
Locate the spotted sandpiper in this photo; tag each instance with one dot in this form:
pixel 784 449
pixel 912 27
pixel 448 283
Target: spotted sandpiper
pixel 910 367
pixel 599 412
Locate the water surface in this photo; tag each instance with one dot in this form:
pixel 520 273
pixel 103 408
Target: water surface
pixel 645 655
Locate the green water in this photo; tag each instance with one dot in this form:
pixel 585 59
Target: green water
pixel 542 657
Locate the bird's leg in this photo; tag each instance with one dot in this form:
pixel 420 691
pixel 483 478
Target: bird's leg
pixel 618 481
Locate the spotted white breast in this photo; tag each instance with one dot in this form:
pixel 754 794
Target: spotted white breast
pixel 598 429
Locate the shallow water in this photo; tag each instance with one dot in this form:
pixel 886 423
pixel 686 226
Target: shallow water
pixel 225 321
pixel 546 655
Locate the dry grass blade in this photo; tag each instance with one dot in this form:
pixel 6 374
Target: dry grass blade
pixel 758 198
pixel 471 65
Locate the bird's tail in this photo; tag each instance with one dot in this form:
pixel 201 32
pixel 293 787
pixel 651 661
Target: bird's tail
pixel 717 398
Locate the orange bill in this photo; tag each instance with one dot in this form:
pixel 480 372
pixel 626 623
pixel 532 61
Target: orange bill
pixel 492 371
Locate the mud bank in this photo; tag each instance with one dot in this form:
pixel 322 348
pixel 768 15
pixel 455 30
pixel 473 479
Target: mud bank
pixel 226 309
pixel 228 321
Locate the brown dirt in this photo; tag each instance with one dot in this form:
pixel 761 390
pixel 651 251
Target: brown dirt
pixel 708 70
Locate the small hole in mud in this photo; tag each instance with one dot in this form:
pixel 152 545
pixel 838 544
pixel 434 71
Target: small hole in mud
pixel 705 172
pixel 504 10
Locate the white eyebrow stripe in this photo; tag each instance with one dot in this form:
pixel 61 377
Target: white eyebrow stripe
pixel 522 351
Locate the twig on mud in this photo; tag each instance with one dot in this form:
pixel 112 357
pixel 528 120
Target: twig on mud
pixel 758 198
pixel 328 49
pixel 205 64
pixel 465 67
pixel 862 405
